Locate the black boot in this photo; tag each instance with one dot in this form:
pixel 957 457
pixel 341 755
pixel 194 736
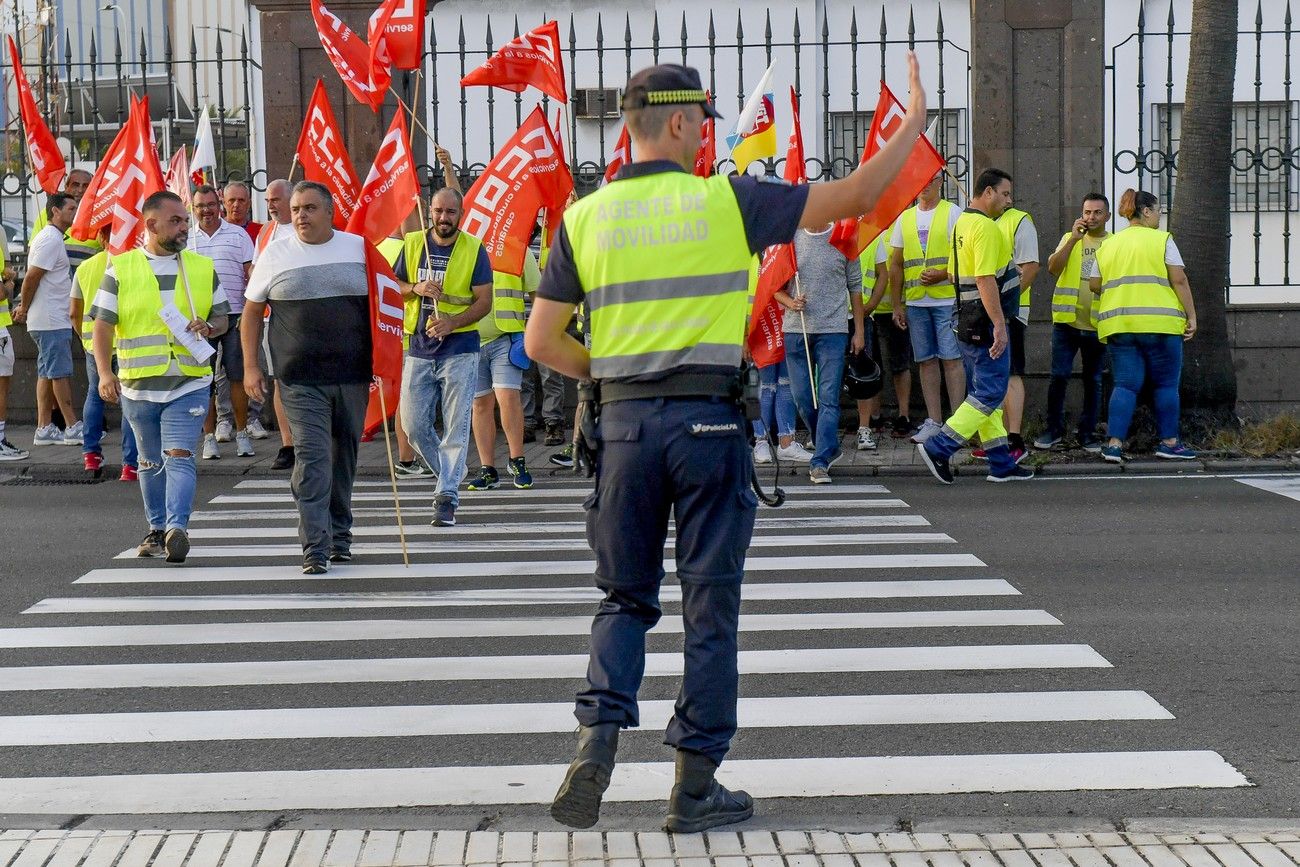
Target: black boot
pixel 577 804
pixel 699 802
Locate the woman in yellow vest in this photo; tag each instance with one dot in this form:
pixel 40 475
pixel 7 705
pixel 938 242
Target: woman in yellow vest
pixel 1144 315
pixel 8 451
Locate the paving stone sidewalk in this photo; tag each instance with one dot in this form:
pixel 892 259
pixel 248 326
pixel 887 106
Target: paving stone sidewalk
pixel 893 457
pixel 1266 847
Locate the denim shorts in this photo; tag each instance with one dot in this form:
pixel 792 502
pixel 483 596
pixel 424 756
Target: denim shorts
pixel 230 352
pixel 53 353
pixel 932 334
pixel 495 370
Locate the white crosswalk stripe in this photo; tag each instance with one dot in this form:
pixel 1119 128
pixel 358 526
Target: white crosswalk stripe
pixel 847 594
pixel 1286 486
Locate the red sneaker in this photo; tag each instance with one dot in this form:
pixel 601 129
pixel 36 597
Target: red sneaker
pixel 92 462
pixel 129 474
pixel 979 455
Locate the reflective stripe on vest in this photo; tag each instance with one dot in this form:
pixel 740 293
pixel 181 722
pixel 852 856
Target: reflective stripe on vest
pixel 937 246
pixel 145 346
pixel 1065 300
pixel 1009 223
pixel 458 291
pixel 89 275
pixel 868 261
pixel 507 302
pixel 1136 296
pixel 668 288
pixel 6 318
pixel 1007 277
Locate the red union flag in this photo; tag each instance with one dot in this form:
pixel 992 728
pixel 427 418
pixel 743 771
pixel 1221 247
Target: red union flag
pixel 707 156
pixel 385 337
pixel 851 236
pixel 129 174
pixel 324 158
pixel 351 57
pixel 766 341
pixel 622 155
pixel 177 178
pixel 47 160
pixel 403 23
pixel 531 59
pixel 391 189
pixel 526 175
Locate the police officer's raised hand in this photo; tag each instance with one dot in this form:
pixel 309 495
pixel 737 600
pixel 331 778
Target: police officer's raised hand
pixel 1000 339
pixel 110 389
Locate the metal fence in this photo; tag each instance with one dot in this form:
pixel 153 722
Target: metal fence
pixel 85 95
pixel 1145 115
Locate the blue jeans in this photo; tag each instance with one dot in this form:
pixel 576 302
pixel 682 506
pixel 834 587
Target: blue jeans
pixel 1067 341
pixel 167 481
pixel 448 382
pixel 828 357
pixel 775 402
pixel 92 416
pixel 1134 358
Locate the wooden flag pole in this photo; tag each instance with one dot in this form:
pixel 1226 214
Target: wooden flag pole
pixel 392 476
pixel 428 257
pixel 293 167
pixel 803 323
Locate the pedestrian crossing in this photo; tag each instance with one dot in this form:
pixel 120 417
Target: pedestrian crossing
pixel 875 660
pixel 1286 486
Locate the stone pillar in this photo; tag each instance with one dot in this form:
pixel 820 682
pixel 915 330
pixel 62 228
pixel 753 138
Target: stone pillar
pixel 1038 97
pixel 292 60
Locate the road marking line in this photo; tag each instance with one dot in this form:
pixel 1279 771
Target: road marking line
pixel 538 718
pixel 361 788
pixel 985 657
pixel 540 509
pixel 117 635
pixel 517 596
pixel 501 569
pixel 509 502
pixel 239 546
pixel 1286 487
pixel 575 489
pixel 534 529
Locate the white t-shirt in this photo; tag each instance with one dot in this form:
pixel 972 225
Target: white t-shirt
pixel 49 309
pixel 1089 268
pixel 924 219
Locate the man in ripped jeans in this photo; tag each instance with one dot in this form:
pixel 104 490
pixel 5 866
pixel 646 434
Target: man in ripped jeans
pixel 163 388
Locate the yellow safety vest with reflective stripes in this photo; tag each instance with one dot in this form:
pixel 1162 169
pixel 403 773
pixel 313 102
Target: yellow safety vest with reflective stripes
pixel 1007 275
pixel 1136 296
pixel 868 260
pixel 1065 300
pixel 935 255
pixel 507 303
pixel 457 283
pixel 1009 223
pixel 667 274
pixel 90 274
pixel 145 346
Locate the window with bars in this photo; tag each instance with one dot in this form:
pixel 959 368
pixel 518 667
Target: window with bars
pixel 849 135
pixel 1264 135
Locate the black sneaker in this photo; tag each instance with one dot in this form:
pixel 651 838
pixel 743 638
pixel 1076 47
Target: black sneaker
pixel 340 555
pixel 486 480
pixel 151 545
pixel 554 432
pixel 940 468
pixel 444 511
pixel 563 458
pixel 314 564
pixel 284 459
pixel 176 543
pixel 1018 474
pixel 876 423
pixel 902 428
pixel 519 471
pixel 411 469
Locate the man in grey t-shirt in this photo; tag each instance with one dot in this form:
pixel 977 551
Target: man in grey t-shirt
pixel 817 305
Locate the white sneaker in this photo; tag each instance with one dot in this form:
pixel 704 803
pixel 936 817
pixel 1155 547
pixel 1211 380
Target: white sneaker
pixel 225 431
pixel 11 452
pixel 819 476
pixel 866 440
pixel 794 453
pixel 210 450
pixel 72 435
pixel 762 452
pixel 255 429
pixel 50 435
pixel 243 445
pixel 928 429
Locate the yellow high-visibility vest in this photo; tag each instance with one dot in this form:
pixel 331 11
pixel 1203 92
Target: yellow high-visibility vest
pixel 145 346
pixel 1136 295
pixel 89 276
pixel 457 283
pixel 938 245
pixel 1069 289
pixel 1009 223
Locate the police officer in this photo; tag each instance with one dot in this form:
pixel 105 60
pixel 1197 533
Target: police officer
pixel 665 263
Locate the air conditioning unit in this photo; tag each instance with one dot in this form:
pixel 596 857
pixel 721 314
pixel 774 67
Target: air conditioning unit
pixel 594 103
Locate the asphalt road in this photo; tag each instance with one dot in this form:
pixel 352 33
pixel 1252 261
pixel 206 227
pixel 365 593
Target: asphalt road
pixel 1188 587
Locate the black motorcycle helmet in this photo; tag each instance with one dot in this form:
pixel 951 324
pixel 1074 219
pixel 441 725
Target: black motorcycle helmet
pixel 862 377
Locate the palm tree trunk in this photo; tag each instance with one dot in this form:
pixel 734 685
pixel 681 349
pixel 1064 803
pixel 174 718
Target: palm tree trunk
pixel 1202 207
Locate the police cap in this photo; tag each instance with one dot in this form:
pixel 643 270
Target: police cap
pixel 667 84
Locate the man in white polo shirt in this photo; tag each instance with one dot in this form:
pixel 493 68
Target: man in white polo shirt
pixel 231 251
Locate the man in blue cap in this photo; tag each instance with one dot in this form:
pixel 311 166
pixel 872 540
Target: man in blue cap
pixel 666 265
